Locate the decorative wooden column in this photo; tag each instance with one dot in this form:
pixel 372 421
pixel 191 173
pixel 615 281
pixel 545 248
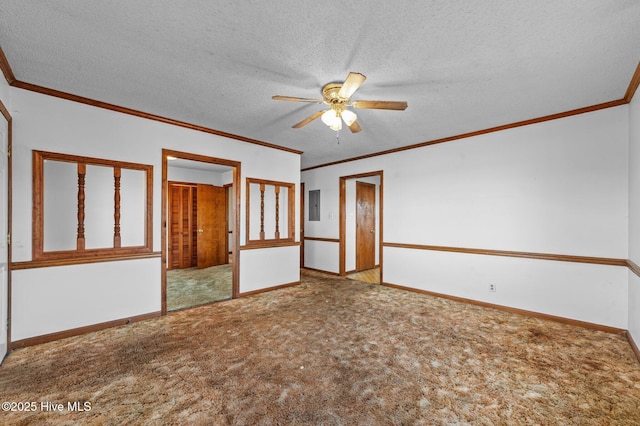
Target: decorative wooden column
pixel 277 212
pixel 262 211
pixel 117 173
pixel 82 172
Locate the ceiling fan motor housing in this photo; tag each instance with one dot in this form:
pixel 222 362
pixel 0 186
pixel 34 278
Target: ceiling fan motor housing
pixel 330 94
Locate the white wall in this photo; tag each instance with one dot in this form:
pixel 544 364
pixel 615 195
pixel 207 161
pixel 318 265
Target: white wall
pixel 263 268
pixel 556 187
pixel 634 216
pixel 51 124
pixel 47 300
pixel 181 174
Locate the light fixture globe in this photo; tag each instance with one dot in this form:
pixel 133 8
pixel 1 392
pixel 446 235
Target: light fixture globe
pixel 349 117
pixel 329 117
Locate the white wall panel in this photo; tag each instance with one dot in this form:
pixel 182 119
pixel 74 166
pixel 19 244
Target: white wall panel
pixel 48 300
pixel 322 255
pixel 180 174
pixel 270 267
pixel 580 291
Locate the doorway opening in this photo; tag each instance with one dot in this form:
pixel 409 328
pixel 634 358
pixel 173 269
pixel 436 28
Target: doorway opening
pixel 200 205
pixel 361 207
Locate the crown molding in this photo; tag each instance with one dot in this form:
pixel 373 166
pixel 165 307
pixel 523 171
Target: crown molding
pixel 11 79
pixel 6 68
pixel 479 132
pixel 124 110
pixel 633 85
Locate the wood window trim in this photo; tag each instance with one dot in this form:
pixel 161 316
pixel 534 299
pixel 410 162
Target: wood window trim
pixel 80 253
pixel 280 240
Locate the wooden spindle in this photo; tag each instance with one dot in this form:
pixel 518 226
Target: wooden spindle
pixel 82 172
pixel 117 173
pixel 277 212
pixel 262 186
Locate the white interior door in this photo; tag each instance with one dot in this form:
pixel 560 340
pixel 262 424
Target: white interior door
pixel 4 247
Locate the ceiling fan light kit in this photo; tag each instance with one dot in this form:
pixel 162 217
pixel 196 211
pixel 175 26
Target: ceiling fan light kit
pixel 338 97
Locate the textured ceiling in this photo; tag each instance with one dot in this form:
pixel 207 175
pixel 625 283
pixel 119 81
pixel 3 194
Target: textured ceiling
pixel 461 65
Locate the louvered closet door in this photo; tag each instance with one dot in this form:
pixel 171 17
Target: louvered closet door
pixel 182 252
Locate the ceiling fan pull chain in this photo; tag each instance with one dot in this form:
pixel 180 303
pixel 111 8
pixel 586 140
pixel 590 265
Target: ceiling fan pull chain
pixel 338 136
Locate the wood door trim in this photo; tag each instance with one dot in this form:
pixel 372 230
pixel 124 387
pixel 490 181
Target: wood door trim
pixel 343 217
pixel 521 254
pixel 7 116
pixel 302 214
pixel 235 255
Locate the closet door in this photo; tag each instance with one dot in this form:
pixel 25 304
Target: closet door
pixel 212 226
pixel 181 218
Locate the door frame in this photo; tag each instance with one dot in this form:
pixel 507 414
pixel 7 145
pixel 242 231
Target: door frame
pixel 343 217
pixel 7 116
pixel 235 256
pixel 302 216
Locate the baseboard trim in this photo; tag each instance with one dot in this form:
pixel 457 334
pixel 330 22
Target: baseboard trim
pixel 31 341
pixel 321 271
pixel 634 347
pixel 265 290
pixel 517 311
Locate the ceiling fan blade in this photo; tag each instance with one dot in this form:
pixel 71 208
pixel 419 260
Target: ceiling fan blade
pixel 351 84
pixel 293 99
pixel 395 105
pixel 308 119
pixel 355 127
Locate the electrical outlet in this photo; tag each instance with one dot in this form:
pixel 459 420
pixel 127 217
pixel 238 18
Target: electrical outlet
pixel 492 288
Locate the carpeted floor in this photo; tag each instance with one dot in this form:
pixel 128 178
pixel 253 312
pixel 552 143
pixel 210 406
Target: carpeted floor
pixel 331 351
pixel 194 287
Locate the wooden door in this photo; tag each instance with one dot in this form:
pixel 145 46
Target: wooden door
pixel 365 226
pixel 182 221
pixel 212 226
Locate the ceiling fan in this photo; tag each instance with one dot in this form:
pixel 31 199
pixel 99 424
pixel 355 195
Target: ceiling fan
pixel 337 95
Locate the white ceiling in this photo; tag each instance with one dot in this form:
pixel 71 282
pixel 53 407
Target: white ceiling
pixel 461 65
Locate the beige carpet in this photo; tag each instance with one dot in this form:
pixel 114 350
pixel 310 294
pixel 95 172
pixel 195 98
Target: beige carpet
pixel 193 287
pixel 335 352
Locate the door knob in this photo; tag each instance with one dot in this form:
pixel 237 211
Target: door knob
pixel 372 231
pixel 200 231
